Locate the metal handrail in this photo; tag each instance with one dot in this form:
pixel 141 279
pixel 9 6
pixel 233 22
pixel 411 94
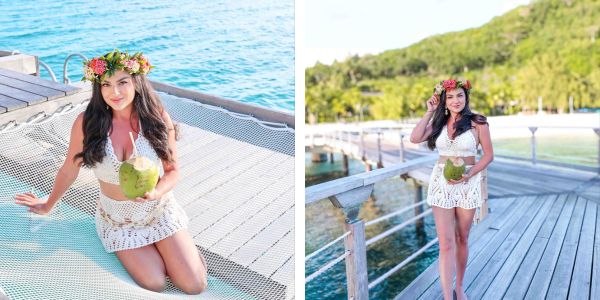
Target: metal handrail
pixel 49 70
pixel 65 77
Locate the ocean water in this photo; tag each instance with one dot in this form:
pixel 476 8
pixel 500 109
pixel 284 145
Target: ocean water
pixel 241 50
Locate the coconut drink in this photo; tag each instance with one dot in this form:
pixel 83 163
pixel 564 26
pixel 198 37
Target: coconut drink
pixel 137 175
pixel 455 167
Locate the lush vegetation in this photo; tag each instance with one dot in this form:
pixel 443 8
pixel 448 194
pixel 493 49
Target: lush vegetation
pixel 549 48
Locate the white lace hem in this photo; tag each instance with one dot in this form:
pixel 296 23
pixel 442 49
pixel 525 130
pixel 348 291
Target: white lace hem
pixel 466 195
pixel 172 220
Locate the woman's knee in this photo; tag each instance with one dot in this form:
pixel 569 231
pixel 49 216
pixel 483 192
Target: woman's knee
pixel 446 245
pixel 153 283
pixel 195 285
pixel 462 238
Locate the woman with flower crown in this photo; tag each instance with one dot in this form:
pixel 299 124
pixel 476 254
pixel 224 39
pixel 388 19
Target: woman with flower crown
pixel 148 234
pixel 455 131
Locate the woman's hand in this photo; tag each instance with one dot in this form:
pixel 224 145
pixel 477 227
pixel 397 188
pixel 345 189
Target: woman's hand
pixel 35 204
pixel 433 103
pixel 152 195
pixel 465 177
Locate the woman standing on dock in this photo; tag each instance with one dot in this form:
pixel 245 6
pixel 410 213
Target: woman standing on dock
pixel 454 201
pixel 148 234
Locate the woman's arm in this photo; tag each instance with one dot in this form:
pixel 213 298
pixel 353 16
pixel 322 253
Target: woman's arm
pixel 171 176
pixel 423 129
pixel 488 152
pixel 65 177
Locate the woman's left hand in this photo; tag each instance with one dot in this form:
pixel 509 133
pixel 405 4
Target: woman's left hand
pixel 152 195
pixel 465 177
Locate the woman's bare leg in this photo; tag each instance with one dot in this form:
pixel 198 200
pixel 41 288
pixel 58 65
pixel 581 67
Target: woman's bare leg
pixel 462 228
pixel 444 225
pixel 145 266
pixel 183 262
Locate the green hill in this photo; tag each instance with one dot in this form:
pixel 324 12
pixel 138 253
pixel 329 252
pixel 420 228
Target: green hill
pixel 549 48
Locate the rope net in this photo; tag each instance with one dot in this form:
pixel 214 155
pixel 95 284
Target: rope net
pixel 236 185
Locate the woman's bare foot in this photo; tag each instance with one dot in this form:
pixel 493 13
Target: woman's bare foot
pixel 460 294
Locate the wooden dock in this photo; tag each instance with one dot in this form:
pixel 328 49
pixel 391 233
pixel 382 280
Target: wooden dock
pixel 528 247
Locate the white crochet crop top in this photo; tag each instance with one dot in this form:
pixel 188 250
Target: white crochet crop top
pixel 465 144
pixel 108 169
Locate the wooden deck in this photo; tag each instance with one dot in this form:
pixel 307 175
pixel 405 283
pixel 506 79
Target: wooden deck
pixel 19 90
pixel 231 190
pixel 528 247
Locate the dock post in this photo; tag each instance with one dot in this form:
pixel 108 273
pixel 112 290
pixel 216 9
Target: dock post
pixel 356 262
pixel 368 168
pixel 597 131
pixel 350 203
pixel 533 129
pixel 401 148
pixel 350 142
pixel 362 144
pixel 379 162
pixel 419 209
pixel 346 162
pixel 331 157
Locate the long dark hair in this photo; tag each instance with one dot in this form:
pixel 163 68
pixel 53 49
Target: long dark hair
pixel 462 125
pixel 97 121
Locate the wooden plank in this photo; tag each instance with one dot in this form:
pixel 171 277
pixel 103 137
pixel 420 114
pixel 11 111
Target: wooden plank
pixel 242 207
pixel 24 96
pixel 273 259
pixel 582 273
pixel 542 171
pixel 10 104
pixel 543 275
pixel 285 274
pixel 523 228
pixel 260 224
pixel 258 244
pixel 240 175
pixel 548 227
pixel 32 88
pixel 523 201
pixel 595 291
pixel 515 212
pixel 559 286
pixel 520 283
pixel 501 281
pixel 280 191
pixel 251 187
pixel 68 89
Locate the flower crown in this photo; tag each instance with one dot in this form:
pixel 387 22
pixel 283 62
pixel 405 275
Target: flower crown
pixel 97 68
pixel 450 84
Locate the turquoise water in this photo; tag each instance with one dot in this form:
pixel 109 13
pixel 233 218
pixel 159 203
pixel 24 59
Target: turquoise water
pixel 242 50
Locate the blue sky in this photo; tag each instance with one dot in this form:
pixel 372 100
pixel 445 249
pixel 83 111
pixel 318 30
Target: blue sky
pixel 335 28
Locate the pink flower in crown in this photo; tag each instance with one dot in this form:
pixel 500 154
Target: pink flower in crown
pixel 132 65
pixel 449 84
pixel 144 58
pixel 99 66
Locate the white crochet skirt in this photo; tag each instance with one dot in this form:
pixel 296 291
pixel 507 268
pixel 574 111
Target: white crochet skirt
pixel 466 195
pixel 123 225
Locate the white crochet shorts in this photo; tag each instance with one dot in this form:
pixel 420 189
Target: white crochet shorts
pixel 466 195
pixel 171 219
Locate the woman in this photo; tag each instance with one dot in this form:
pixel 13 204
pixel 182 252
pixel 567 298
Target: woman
pixel 148 234
pixel 454 131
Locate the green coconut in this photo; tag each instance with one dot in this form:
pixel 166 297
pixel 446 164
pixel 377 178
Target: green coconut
pixel 454 168
pixel 137 176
